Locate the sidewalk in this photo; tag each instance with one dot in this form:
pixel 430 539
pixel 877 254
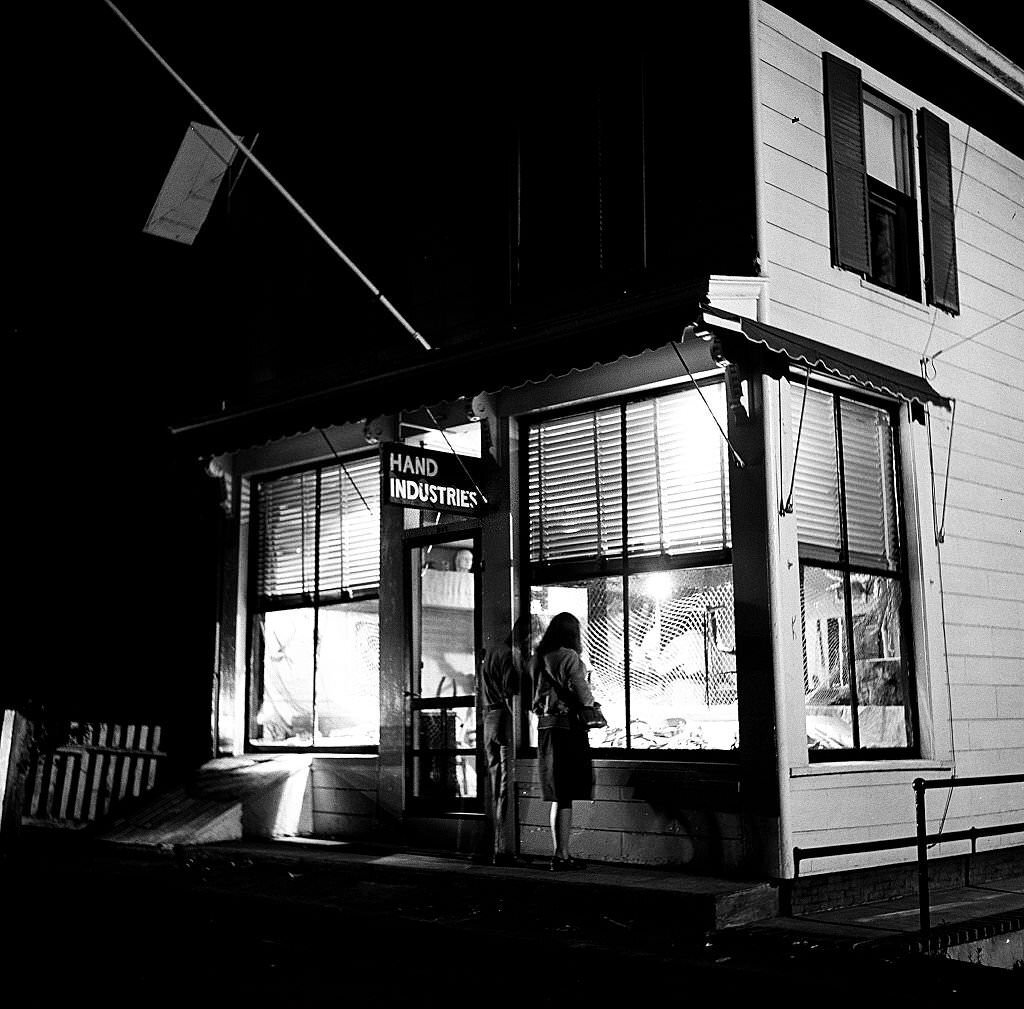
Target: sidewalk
pixel 731 913
pixel 649 910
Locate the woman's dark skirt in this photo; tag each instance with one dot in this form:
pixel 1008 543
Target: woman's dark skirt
pixel 566 769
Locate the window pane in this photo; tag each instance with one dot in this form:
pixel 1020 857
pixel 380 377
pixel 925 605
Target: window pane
pixel 826 659
pixel 883 716
pixel 446 633
pixel 575 486
pixel 871 519
pixel 348 675
pixel 677 479
pixel 816 487
pixel 350 526
pixel 440 771
pixel 687 504
pixel 287 536
pixel 284 702
pixel 642 464
pixel 880 145
pixel 597 604
pixel 884 241
pixel 291 560
pixel 682 663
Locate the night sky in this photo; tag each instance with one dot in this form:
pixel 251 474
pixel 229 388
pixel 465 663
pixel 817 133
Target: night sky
pixel 113 334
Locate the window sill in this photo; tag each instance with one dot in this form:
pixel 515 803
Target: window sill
pixel 869 767
pixel 884 296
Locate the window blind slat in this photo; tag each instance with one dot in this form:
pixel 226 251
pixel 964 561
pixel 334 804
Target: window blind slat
pixel 871 518
pixel 816 485
pixel 290 509
pixel 676 479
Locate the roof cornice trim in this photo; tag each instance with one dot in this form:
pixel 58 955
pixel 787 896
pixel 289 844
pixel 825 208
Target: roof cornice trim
pixel 942 30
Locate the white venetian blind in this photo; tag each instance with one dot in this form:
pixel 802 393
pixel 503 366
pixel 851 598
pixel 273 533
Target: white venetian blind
pixel 693 472
pixel 350 526
pixel 576 486
pixel 872 525
pixel 676 479
pixel 287 536
pixel 291 507
pixel 816 485
pixel 871 518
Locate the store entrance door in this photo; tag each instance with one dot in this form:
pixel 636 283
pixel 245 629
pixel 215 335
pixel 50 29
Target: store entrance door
pixel 444 735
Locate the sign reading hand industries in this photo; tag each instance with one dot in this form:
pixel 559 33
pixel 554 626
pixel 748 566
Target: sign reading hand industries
pixel 431 481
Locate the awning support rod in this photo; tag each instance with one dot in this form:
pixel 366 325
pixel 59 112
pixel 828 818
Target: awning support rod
pixel 458 458
pixel 277 185
pixel 682 361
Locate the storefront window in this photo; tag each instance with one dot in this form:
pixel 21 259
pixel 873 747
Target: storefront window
pixel 856 669
pixel 315 667
pixel 657 617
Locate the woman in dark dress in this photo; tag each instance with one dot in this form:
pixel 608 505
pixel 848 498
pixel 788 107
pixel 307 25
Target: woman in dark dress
pixel 561 688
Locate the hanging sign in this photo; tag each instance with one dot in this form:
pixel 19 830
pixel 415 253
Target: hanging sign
pixel 431 481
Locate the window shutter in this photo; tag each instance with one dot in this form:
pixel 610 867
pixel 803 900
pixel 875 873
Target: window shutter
pixel 940 278
pixel 847 168
pixel 576 487
pixel 816 485
pixel 287 537
pixel 868 479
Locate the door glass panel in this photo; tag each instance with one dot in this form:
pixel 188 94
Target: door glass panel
pixel 443 715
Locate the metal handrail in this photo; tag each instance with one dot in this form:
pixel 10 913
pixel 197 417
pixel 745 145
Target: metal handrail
pixel 920 787
pixel 921 840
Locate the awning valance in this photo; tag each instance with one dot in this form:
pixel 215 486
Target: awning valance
pixel 819 357
pixel 506 357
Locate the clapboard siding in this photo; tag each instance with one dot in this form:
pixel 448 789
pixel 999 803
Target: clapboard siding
pixel 344 796
pixel 981 503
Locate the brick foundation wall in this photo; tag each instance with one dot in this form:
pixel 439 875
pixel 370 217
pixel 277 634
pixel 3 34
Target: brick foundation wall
pixel 830 890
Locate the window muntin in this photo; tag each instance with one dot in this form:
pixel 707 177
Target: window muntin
pixel 657 616
pixel 315 668
pixel 858 695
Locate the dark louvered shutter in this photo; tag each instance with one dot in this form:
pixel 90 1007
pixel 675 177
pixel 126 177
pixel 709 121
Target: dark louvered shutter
pixel 937 213
pixel 847 170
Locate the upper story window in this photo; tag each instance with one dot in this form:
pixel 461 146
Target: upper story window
pixel 872 203
pixel 858 689
pixel 629 531
pixel 315 632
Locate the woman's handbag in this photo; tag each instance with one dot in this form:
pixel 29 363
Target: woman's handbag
pixel 592 717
